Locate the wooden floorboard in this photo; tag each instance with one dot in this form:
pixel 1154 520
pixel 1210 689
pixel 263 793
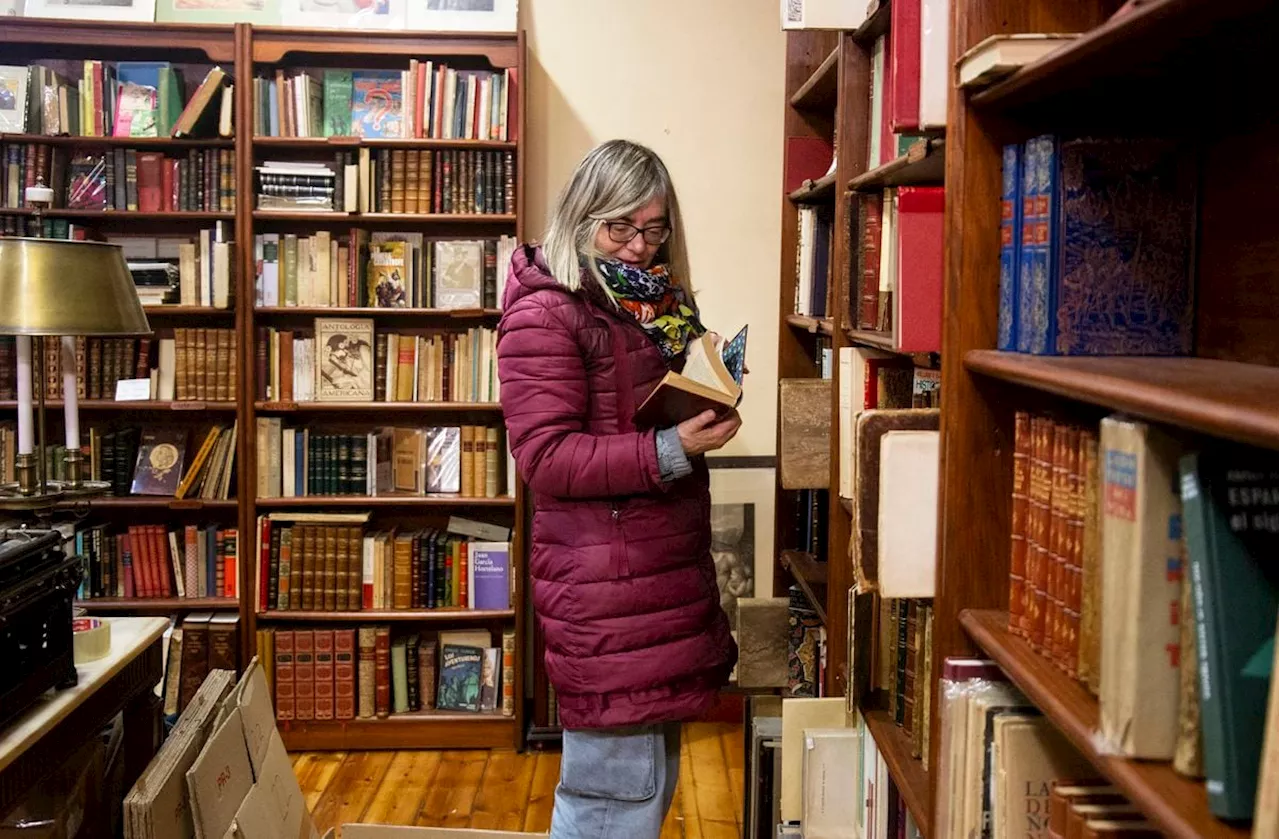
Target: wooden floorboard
pixel 505 790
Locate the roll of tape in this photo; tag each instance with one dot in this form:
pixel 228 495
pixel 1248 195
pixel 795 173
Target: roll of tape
pixel 92 639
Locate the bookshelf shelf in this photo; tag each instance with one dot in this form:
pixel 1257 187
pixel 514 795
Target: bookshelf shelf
pixel 391 616
pixel 121 142
pixel 166 311
pixel 272 44
pixel 125 215
pixel 371 312
pixel 156 605
pixel 108 405
pixel 1126 48
pixel 375 407
pixel 382 501
pixel 385 218
pixel 814 326
pixel 445 730
pixel 820 191
pixel 908 773
pixel 871 338
pixel 343 143
pixel 811 576
pixel 818 93
pixel 876 24
pixel 1176 805
pixel 1221 398
pixel 214 42
pixel 139 502
pixel 923 164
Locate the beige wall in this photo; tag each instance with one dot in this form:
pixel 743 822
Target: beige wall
pixel 699 81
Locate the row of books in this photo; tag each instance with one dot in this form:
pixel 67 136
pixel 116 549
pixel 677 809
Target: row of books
pixel 429 100
pixel 1096 252
pixel 1142 563
pixel 380 270
pixel 194 646
pixel 388 461
pixel 136 180
pixel 381 180
pixel 1005 766
pixel 330 562
pixel 162 466
pixel 196 364
pixel 148 561
pixel 436 367
pixel 114 99
pixel 375 672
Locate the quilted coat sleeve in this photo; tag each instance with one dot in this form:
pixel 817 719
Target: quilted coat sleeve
pixel 544 398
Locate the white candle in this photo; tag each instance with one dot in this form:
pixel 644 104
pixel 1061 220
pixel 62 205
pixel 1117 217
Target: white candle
pixel 26 425
pixel 71 404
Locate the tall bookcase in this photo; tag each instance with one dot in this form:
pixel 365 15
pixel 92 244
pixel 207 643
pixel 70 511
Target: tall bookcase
pixel 246 51
pixel 1165 68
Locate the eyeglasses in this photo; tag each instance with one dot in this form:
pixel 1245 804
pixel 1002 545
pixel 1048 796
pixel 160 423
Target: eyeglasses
pixel 621 232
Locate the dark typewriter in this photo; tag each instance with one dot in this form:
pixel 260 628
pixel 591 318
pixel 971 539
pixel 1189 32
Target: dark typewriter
pixel 38 583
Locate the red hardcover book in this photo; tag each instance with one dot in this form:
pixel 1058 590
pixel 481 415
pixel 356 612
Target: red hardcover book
pixel 1057 529
pixel 284 673
pixel 150 181
pixel 382 672
pixel 1038 558
pixel 344 674
pixel 917 300
pixel 904 113
pixel 324 674
pixel 1018 530
pixel 304 674
pixel 804 159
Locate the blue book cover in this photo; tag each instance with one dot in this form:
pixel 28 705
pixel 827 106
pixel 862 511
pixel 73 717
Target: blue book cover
pixel 1122 280
pixel 1010 240
pixel 459 688
pixel 1026 234
pixel 1039 239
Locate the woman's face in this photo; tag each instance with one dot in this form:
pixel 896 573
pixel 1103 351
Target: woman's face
pixel 636 231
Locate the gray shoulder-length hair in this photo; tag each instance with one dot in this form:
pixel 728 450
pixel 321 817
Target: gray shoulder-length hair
pixel 614 180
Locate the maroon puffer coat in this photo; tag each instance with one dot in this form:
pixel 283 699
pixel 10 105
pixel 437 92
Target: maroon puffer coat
pixel 623 581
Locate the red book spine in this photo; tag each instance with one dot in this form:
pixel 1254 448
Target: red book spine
pixel 904 101
pixel 917 302
pixel 264 563
pixel 382 672
pixel 344 674
pixel 150 182
pixel 324 674
pixel 1018 529
pixel 304 674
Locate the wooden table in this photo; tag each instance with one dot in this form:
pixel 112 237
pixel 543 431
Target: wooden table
pixel 49 732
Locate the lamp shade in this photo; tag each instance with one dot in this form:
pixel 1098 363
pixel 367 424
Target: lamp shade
pixel 60 287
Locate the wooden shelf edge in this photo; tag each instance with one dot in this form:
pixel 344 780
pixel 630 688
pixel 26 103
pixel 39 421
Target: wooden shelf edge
pixel 428 730
pixel 1178 806
pixel 375 311
pixel 136 405
pixel 924 163
pixel 1220 398
pixel 388 616
pixel 814 326
pixel 811 576
pixel 876 24
pixel 908 773
pixel 397 218
pixel 156 605
pixel 372 407
pixel 823 189
pixel 383 501
pixel 873 339
pixel 151 503
pixel 128 142
pixel 813 95
pixel 846 504
pixel 131 215
pixel 382 142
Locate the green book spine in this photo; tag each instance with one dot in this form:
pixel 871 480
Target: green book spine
pixel 1230 517
pixel 337 103
pixel 399 676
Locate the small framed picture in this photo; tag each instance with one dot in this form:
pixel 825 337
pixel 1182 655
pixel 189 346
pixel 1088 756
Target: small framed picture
pixel 343 14
pixel 262 12
pixel 130 10
pixel 463 15
pixel 742 533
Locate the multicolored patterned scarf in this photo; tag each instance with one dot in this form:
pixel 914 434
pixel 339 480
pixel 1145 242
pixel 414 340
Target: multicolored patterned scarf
pixel 657 303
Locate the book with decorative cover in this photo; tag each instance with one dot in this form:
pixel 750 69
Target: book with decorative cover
pixel 161 454
pixel 709 380
pixel 460 678
pixel 376 104
pixel 344 369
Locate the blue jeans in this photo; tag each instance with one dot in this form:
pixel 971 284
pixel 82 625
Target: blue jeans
pixel 616 783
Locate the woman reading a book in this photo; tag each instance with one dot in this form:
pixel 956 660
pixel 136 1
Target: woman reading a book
pixel 623 580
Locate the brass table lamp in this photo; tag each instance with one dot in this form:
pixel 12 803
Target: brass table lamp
pixel 58 288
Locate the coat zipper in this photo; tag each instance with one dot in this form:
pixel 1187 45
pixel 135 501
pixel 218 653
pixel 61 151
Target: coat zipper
pixel 621 565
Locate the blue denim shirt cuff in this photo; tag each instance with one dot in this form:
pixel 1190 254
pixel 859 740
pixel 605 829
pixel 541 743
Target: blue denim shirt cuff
pixel 672 462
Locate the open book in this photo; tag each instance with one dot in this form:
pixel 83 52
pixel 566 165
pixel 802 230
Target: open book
pixel 710 380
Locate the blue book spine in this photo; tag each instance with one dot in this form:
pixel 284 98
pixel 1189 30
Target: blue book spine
pixel 1010 240
pixel 1035 293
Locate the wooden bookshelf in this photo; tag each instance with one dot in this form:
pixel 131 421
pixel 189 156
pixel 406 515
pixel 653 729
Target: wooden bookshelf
pixel 156 605
pixel 876 24
pixel 818 92
pixel 1124 76
pixel 245 51
pixel 923 164
pixel 811 576
pixel 142 405
pixel 823 190
pixel 813 326
pixel 1177 805
pixel 907 772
